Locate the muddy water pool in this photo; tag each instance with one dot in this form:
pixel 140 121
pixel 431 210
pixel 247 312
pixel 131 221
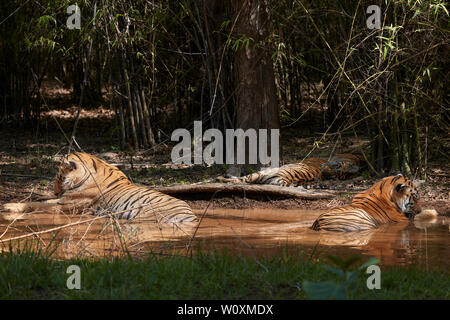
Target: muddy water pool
pixel 266 232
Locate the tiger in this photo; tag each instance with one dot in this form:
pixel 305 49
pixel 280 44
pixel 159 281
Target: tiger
pixel 342 166
pixel 392 199
pixel 304 172
pixel 85 182
pixel 290 174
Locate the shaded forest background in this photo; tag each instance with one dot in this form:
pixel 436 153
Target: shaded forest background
pixel 312 66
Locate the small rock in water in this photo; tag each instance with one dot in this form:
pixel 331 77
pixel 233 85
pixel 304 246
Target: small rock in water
pixel 12 216
pixel 426 214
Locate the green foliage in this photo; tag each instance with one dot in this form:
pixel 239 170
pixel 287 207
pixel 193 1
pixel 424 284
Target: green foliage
pixel 29 274
pixel 242 42
pixel 46 21
pixel 286 116
pixel 346 279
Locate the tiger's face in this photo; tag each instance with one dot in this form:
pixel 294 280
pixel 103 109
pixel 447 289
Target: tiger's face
pixel 75 170
pixel 341 168
pixel 405 196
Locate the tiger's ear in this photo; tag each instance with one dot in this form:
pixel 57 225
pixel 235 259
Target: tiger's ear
pixel 69 166
pixel 400 187
pixel 73 165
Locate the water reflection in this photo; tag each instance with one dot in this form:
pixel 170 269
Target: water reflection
pixel 270 231
pixel 255 231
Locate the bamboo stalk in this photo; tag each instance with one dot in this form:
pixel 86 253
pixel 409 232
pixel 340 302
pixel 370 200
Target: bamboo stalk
pixel 405 144
pixel 130 104
pixel 151 137
pixel 140 113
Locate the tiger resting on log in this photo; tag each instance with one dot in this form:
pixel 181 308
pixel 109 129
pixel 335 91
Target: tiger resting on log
pixel 340 166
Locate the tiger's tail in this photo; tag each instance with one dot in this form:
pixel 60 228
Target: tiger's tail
pixel 231 179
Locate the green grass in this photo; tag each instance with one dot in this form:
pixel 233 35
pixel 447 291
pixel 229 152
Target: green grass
pixel 218 275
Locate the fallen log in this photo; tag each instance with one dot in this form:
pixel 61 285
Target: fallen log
pixel 293 192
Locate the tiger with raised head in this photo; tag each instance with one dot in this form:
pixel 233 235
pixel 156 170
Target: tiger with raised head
pixel 87 182
pixel 393 199
pixel 305 172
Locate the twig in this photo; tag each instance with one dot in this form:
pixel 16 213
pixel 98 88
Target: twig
pixel 72 224
pixel 24 176
pixel 199 222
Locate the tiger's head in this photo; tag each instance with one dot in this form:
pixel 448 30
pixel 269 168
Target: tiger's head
pixel 80 169
pixel 405 195
pixel 341 166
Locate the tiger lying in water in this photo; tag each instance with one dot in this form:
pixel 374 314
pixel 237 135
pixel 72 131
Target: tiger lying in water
pixel 304 172
pixel 393 199
pixel 84 181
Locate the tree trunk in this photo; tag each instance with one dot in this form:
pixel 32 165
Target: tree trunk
pixel 292 192
pixel 257 105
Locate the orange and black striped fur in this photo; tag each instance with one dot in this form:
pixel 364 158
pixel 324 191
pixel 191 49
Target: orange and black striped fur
pixel 393 199
pixel 304 172
pixel 291 174
pixel 84 181
pixel 341 166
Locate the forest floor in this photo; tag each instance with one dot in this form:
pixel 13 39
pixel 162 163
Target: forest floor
pixel 27 171
pixel 29 160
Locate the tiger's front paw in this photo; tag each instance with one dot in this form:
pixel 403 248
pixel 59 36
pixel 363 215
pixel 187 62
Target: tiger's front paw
pixel 15 207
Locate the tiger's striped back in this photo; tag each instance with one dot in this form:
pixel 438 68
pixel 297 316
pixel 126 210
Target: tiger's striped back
pixel 342 166
pixel 288 175
pixel 305 172
pixel 348 218
pixel 153 205
pixel 116 193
